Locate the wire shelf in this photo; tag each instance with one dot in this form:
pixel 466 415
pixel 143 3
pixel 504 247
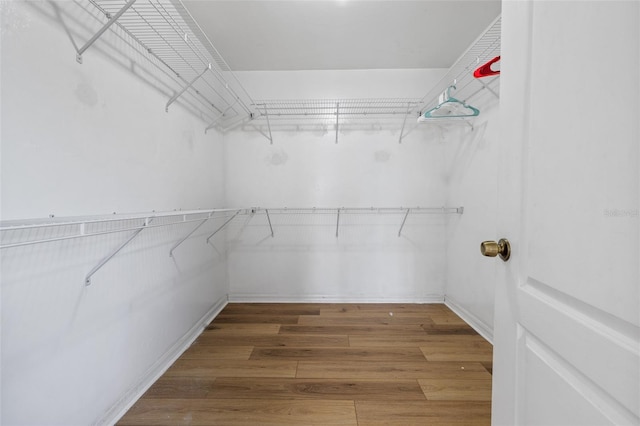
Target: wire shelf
pixel 460 75
pixel 359 210
pixel 318 114
pixel 393 110
pixel 169 34
pixel 326 108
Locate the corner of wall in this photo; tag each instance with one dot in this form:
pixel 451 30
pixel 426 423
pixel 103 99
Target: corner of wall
pixel 484 329
pixel 120 408
pixel 472 183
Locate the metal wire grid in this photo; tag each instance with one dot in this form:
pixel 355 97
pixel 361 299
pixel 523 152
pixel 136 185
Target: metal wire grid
pixel 43 231
pixel 279 219
pixel 122 222
pixel 358 210
pixel 168 33
pixel 326 108
pixel 485 48
pixel 325 115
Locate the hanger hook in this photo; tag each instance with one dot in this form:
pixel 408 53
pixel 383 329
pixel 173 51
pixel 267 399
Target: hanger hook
pixel 448 91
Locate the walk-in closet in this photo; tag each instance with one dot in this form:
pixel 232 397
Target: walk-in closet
pixel 351 212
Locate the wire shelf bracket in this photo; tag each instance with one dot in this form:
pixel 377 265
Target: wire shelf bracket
pixel 266 114
pixel 175 246
pixel 223 225
pixel 220 117
pixel 184 89
pixel 403 222
pixel 105 27
pixel 269 220
pixel 404 122
pixel 337 122
pixel 87 280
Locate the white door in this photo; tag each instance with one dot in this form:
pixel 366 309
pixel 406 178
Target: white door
pixel 568 301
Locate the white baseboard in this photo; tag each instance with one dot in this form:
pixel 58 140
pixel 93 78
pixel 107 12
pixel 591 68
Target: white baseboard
pixel 320 298
pixel 120 408
pixel 476 323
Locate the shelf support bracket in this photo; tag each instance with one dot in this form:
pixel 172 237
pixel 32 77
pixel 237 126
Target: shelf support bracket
pixel 337 222
pixel 188 235
pixel 404 122
pixel 218 118
pixel 266 114
pixel 403 222
pixel 337 127
pixel 185 88
pixel 104 28
pixel 269 220
pixel 87 280
pixel 484 86
pixel 222 226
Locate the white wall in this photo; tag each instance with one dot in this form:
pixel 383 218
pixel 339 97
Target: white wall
pixel 73 136
pixel 472 170
pixel 94 139
pixel 304 260
pixel 339 84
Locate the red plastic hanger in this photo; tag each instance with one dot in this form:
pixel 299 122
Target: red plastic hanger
pixel 485 70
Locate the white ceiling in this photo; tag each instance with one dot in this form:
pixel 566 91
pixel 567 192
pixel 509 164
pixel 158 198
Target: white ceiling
pixel 341 34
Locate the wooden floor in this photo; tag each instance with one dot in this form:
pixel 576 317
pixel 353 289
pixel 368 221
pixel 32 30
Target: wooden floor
pixel 326 364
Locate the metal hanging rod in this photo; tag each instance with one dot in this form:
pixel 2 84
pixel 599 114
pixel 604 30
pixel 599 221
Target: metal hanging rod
pixel 360 210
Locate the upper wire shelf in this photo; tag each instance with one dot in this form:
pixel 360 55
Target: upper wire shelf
pixel 169 34
pixel 348 111
pixel 323 108
pixel 460 74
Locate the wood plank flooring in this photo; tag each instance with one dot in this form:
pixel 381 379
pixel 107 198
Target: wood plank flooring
pixel 326 364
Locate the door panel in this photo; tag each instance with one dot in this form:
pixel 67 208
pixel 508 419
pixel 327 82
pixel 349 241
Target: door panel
pixel 583 152
pixel 567 336
pixel 546 375
pixel 592 342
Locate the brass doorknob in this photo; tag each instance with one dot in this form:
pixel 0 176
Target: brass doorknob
pixel 493 249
